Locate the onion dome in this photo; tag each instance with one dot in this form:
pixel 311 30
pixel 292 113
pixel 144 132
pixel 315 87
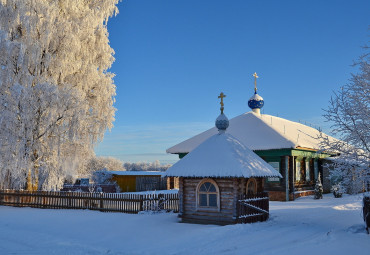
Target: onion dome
pixel 222 122
pixel 256 101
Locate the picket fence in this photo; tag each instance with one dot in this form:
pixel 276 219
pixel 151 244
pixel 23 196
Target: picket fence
pixel 105 202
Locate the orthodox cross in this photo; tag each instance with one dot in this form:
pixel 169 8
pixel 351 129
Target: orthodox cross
pixel 255 81
pixel 222 95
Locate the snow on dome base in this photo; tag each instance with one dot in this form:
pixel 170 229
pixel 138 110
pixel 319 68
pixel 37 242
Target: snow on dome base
pixel 222 155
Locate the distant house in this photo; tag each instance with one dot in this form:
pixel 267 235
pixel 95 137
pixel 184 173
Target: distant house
pixel 290 147
pixel 133 181
pixel 83 185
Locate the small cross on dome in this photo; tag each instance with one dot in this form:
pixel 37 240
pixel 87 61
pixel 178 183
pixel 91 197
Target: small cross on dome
pixel 255 81
pixel 222 95
pixel 222 121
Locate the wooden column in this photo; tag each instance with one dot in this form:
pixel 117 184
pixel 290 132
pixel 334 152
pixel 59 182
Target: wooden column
pixel 316 168
pixel 286 178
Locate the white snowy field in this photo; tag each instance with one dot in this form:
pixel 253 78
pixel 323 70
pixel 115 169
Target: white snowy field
pixel 306 226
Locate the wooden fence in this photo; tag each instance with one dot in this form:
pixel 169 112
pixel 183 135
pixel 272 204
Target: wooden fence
pixel 253 208
pixel 106 202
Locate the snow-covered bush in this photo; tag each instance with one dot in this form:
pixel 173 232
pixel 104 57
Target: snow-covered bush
pixel 337 190
pixel 352 175
pixel 318 188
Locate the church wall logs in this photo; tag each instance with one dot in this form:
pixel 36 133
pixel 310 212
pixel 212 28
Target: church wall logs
pixel 193 214
pixel 229 191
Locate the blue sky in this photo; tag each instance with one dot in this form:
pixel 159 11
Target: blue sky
pixel 174 57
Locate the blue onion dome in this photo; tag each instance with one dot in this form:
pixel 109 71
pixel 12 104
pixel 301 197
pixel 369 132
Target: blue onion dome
pixel 256 101
pixel 222 122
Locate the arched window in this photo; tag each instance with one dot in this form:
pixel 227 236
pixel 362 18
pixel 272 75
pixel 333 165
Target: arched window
pixel 251 188
pixel 208 194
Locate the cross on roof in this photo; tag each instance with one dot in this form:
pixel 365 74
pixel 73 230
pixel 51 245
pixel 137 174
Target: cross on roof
pixel 222 95
pixel 255 81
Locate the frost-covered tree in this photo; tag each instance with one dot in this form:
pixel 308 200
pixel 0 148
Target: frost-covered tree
pixel 143 166
pixel 56 95
pixel 100 163
pixel 349 113
pixel 102 177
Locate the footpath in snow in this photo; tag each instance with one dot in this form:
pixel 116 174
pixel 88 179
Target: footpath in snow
pixel 305 226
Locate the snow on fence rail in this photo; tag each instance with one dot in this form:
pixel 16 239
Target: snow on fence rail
pixel 106 202
pixel 253 208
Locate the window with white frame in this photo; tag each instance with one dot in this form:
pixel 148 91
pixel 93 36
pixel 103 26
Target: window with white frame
pixel 276 166
pixel 208 194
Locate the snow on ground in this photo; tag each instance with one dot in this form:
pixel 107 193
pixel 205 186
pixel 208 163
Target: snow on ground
pixel 305 226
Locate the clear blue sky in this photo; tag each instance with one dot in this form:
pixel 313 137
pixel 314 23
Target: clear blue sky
pixel 173 58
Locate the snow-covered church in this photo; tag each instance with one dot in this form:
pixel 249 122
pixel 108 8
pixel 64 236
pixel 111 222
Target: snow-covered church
pixel 290 147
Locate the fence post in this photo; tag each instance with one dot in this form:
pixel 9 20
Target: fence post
pixel 141 203
pixel 101 202
pixel 161 201
pixel 18 198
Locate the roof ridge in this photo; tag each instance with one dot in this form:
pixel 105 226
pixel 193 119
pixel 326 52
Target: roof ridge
pixel 271 126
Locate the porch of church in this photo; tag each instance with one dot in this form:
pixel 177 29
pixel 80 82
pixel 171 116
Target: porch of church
pixel 300 169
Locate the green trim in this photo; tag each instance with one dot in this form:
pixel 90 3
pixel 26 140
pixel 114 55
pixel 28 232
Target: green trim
pixel 308 154
pixel 181 155
pixel 272 155
pixel 272 159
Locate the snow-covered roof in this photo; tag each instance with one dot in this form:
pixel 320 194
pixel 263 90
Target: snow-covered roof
pixel 259 132
pixel 146 173
pixel 222 155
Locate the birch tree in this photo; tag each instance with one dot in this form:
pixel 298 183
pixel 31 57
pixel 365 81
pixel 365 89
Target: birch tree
pixel 56 95
pixel 349 113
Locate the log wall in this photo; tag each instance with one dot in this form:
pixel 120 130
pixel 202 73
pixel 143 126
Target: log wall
pixel 230 191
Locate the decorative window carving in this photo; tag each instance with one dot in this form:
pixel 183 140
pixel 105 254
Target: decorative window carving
pixel 251 188
pixel 208 195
